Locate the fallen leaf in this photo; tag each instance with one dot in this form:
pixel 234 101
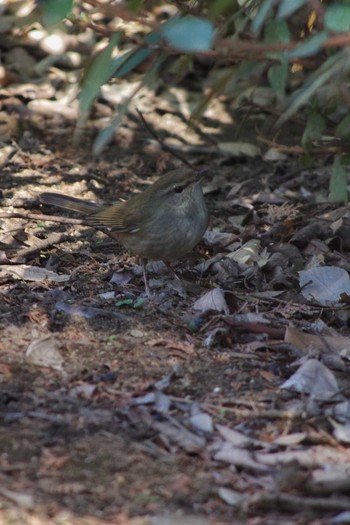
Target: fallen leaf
pixel 338 344
pixel 45 352
pixel 212 300
pixel 313 378
pixel 324 284
pixel 32 273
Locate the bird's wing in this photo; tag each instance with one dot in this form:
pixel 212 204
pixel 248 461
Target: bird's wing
pixel 118 217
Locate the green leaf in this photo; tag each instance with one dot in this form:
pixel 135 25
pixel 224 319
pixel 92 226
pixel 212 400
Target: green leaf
pixel 135 5
pixel 124 302
pixel 234 75
pixel 338 191
pixel 262 14
pixel 314 128
pixel 54 11
pixel 337 17
pixel 335 65
pixel 215 8
pixel 277 75
pixel 96 74
pixel 346 159
pixel 288 7
pixel 343 128
pixel 120 66
pixel 139 303
pixel 276 31
pixel 188 34
pixel 105 135
pixel 310 46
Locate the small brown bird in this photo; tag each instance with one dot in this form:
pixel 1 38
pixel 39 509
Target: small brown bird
pixel 164 222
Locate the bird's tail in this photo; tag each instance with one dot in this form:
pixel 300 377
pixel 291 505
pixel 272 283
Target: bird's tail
pixel 69 203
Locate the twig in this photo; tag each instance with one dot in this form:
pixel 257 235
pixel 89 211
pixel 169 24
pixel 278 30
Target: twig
pixel 299 150
pixel 257 328
pixel 53 238
pixel 41 217
pixel 195 149
pixel 162 143
pixel 296 503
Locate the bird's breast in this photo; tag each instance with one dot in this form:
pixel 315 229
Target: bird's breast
pixel 167 234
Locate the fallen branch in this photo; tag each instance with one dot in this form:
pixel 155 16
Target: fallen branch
pixel 40 217
pixel 296 503
pixel 53 238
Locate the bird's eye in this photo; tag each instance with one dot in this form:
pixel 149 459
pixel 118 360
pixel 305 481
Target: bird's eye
pixel 178 189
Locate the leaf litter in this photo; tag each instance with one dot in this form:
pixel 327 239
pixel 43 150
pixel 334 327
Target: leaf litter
pixel 226 395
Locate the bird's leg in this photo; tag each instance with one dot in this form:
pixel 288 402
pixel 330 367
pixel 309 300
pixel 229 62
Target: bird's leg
pixel 145 280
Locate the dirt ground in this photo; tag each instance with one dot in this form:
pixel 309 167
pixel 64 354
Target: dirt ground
pixel 126 409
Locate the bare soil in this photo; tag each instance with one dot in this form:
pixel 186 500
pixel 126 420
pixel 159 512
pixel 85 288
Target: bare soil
pixel 100 430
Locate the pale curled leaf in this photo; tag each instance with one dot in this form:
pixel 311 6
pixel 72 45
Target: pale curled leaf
pixel 341 519
pixel 318 456
pixel 180 436
pixel 231 497
pixel 202 422
pixel 45 352
pixel 162 402
pixel 248 254
pixel 216 238
pixel 22 500
pixel 334 478
pixel 313 378
pixel 340 411
pixel 147 399
pixel 239 457
pixel 342 433
pixel 324 284
pixel 89 312
pixel 290 439
pixel 237 439
pixel 338 344
pixel 215 337
pixel 83 391
pixel 212 300
pixel 32 273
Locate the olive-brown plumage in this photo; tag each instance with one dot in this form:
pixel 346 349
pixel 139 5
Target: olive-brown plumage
pixel 164 222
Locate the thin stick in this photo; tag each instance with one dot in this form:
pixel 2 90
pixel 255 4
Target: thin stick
pixel 161 142
pixel 41 217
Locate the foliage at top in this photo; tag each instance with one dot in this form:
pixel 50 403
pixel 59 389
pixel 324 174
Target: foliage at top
pixel 277 60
